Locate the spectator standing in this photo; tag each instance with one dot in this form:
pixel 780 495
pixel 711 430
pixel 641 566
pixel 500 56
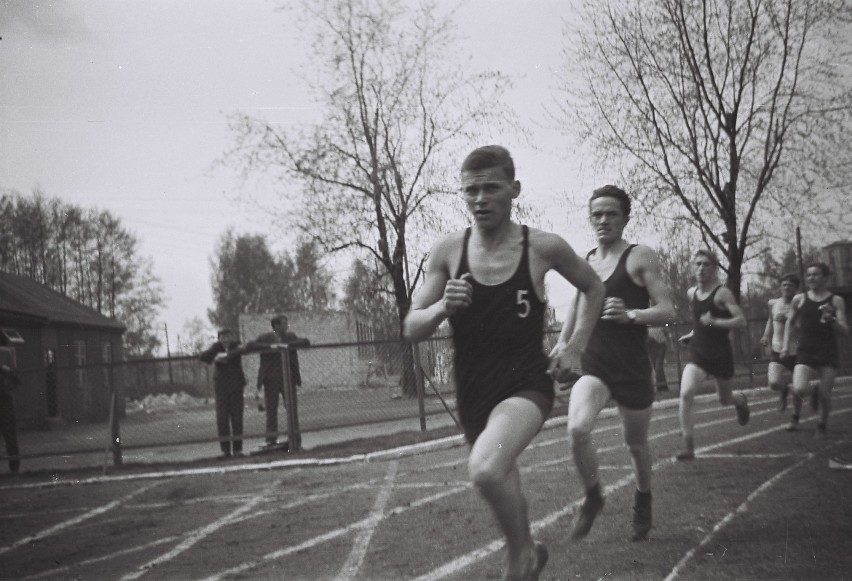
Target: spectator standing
pixel 9 382
pixel 270 373
pixel 228 380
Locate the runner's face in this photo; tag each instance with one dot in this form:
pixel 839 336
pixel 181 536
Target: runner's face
pixel 488 194
pixel 814 278
pixel 788 289
pixel 607 219
pixel 705 269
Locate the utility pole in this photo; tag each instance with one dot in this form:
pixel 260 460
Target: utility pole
pixel 168 354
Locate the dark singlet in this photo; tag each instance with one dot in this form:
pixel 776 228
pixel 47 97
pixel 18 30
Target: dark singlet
pixel 618 353
pixel 710 347
pixel 498 343
pixel 817 343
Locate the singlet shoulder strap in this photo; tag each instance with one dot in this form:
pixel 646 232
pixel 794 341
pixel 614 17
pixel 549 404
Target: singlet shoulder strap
pixel 463 266
pixel 712 296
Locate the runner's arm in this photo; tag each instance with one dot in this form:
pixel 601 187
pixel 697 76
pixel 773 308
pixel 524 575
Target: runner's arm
pixel 725 298
pixel 788 326
pixel 767 331
pixel 839 323
pixel 661 311
pixel 438 298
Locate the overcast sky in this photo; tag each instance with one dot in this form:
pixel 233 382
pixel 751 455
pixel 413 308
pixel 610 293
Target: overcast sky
pixel 121 105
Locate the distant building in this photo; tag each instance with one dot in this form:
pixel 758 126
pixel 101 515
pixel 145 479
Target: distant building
pixel 839 258
pixel 63 349
pixel 322 365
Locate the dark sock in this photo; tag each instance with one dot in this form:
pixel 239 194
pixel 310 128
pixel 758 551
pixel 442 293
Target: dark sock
pixel 642 498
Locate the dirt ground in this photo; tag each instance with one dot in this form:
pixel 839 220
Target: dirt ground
pixel 757 503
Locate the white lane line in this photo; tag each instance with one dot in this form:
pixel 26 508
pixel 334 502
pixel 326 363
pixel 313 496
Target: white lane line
pixel 96 560
pixel 469 559
pixel 329 536
pixel 754 456
pixel 77 519
pixel 681 565
pixel 201 533
pixel 356 556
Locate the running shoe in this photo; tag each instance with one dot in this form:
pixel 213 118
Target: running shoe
pixel 685 454
pixel 538 559
pixel 641 517
pixel 793 425
pixel 592 506
pixel 743 412
pixel 820 432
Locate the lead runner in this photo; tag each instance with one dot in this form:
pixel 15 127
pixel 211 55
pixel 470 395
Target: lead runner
pixel 488 280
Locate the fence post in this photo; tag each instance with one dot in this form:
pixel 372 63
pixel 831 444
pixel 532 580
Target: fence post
pixel 114 424
pixel 418 374
pixel 290 400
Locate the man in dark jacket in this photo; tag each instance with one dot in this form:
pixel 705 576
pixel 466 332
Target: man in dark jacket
pixel 9 382
pixel 228 381
pixel 270 374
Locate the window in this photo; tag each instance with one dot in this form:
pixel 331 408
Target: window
pixel 12 335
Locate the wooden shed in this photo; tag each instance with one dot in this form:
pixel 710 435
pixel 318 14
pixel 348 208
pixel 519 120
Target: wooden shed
pixel 63 350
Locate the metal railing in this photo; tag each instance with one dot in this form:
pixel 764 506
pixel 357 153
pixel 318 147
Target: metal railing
pixel 144 410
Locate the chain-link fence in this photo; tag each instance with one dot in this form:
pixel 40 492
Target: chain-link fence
pixel 141 410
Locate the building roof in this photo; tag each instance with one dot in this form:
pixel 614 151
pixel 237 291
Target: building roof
pixel 23 296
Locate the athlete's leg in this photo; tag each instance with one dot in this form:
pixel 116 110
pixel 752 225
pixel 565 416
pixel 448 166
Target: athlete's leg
pixel 494 471
pixel 689 383
pixel 725 391
pixel 588 397
pixel 801 388
pixel 827 375
pixel 777 382
pixel 636 423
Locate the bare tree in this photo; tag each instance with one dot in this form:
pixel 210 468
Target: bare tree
pixel 731 114
pixel 372 173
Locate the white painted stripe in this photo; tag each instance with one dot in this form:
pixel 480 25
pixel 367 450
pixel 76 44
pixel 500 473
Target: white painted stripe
pixel 754 456
pixel 326 537
pixel 77 519
pixel 681 565
pixel 200 534
pixel 356 556
pixel 469 559
pixel 96 560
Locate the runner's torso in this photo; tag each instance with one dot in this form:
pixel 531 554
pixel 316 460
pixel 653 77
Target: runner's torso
pixel 498 339
pixel 619 348
pixel 709 341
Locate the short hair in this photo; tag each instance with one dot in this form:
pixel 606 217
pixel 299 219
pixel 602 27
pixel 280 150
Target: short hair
pixel 222 331
pixel 277 320
pixel 708 254
pixel 489 156
pixel 792 277
pixel 610 191
pixel 822 266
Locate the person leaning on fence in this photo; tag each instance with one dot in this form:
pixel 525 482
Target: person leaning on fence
pixel 228 380
pixel 270 373
pixel 488 280
pixel 9 383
